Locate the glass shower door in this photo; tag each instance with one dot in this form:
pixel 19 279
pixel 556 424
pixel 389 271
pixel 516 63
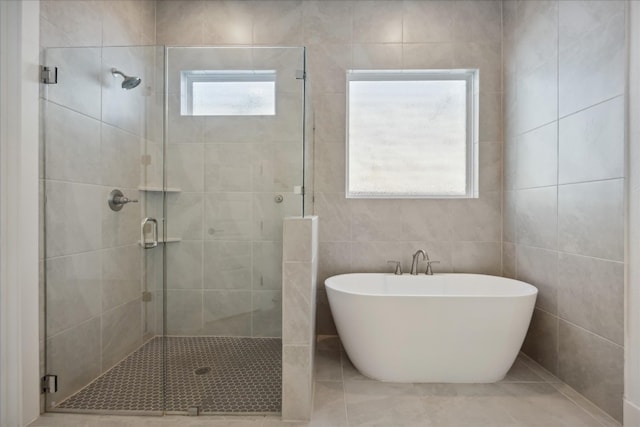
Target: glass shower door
pixel 102 175
pixel 235 169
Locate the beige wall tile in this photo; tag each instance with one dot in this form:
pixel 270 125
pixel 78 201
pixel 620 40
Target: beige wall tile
pixel 603 361
pixel 277 22
pixel 539 267
pixel 427 55
pixel 72 145
pixel 266 318
pixel 591 219
pixel 477 257
pixel 297 384
pixel 509 260
pixel 536 34
pixel 541 342
pixel 77 23
pixel 596 62
pixel 490 173
pixel 327 21
pixel 537 217
pixel 78 87
pixel 228 22
pixel 475 219
pixel 228 265
pixel 297 240
pixel 591 295
pixel 73 291
pixel 334 212
pixel 180 22
pixel 75 356
pixel 122 22
pixel 591 143
pixel 72 217
pixel 538 96
pixel 184 265
pixel 267 265
pixel 184 312
pixel 296 320
pixel 227 313
pixel 430 21
pixel 121 273
pixel 537 157
pixel 373 56
pixel 185 216
pixel 377 22
pixel 121 332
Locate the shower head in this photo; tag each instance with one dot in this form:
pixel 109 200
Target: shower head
pixel 129 82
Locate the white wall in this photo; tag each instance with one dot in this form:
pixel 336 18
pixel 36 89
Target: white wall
pixel 19 379
pixel 632 295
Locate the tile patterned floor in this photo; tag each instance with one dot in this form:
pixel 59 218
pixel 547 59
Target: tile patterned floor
pixel 528 397
pixel 238 376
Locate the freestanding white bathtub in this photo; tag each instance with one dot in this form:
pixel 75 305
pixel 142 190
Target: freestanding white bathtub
pixel 446 328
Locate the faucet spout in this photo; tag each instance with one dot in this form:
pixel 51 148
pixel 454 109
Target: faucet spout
pixel 416 258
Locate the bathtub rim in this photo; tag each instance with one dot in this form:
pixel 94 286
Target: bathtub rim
pixel 528 289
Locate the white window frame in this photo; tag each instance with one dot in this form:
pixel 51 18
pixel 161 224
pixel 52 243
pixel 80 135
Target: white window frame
pixel 471 77
pixel 189 77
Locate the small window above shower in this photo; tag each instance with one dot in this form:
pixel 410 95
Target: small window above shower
pixel 228 92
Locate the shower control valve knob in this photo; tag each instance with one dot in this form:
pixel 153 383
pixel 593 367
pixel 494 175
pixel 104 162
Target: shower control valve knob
pixel 117 200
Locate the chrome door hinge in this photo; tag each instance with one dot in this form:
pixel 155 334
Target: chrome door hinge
pixel 301 74
pixel 49 75
pixel 49 384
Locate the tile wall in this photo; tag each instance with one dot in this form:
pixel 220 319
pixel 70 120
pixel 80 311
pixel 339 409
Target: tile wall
pixel 564 185
pixel 93 133
pixel 361 235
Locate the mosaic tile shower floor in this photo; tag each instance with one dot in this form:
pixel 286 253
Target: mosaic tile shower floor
pixel 219 375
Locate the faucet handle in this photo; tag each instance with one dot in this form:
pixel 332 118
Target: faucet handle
pixel 429 270
pixel 398 271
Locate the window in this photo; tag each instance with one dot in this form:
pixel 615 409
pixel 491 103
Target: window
pixel 228 93
pixel 412 133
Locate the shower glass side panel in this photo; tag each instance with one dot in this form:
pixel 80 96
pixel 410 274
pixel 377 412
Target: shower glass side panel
pixel 103 291
pixel 235 134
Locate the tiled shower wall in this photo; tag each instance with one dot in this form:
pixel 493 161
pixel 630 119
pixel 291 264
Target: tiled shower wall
pixel 361 235
pixel 93 133
pixel 564 185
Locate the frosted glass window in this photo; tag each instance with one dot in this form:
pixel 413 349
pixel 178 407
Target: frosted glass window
pixel 228 93
pixel 412 134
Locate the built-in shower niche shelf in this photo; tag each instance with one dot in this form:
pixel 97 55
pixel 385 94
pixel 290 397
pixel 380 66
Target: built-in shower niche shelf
pixel 167 240
pixel 153 189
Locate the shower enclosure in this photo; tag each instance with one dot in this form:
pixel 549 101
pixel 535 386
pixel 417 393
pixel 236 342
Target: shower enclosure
pixel 164 188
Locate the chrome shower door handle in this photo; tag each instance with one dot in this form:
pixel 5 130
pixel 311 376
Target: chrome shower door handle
pixel 154 233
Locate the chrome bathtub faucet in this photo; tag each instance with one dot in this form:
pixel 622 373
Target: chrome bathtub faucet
pixel 414 264
pixel 425 257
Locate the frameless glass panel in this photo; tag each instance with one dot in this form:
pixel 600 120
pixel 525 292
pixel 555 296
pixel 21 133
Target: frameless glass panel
pixel 103 291
pixel 409 135
pixel 235 163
